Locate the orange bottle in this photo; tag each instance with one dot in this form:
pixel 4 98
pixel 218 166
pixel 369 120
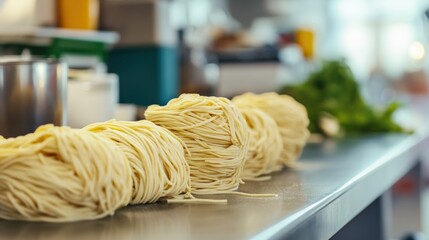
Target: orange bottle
pixel 79 14
pixel 305 39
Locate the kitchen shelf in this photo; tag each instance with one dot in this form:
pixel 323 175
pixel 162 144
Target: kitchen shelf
pixel 44 32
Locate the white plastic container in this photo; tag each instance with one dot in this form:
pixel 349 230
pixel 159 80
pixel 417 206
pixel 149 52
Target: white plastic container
pixel 92 98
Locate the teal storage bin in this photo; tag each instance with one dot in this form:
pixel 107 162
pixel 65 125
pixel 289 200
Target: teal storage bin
pixel 147 74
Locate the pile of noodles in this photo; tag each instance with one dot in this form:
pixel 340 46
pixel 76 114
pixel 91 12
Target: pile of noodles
pixel 265 144
pixel 156 156
pixel 291 118
pixel 59 174
pixel 216 137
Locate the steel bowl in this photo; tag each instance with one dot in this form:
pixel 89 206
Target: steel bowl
pixel 32 93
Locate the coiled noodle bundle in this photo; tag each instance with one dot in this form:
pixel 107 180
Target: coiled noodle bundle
pixel 216 138
pixel 156 157
pixel 291 118
pixel 59 174
pixel 265 144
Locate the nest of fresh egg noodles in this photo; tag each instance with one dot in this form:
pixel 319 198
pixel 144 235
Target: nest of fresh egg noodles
pixel 194 145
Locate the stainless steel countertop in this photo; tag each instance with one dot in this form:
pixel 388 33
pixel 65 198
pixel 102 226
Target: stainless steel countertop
pixel 332 183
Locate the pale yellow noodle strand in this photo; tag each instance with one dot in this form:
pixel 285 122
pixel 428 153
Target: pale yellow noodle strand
pixel 59 174
pixel 198 201
pixel 250 194
pixel 215 134
pixel 261 179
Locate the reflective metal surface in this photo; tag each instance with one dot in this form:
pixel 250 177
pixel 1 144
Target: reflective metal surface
pixel 332 183
pixel 32 93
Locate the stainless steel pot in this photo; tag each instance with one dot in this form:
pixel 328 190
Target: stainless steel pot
pixel 32 93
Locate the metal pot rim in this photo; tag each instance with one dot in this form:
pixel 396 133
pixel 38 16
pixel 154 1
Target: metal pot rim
pixel 19 60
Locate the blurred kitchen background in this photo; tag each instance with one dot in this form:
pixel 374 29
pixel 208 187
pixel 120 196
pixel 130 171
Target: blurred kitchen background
pixel 124 55
pixel 156 49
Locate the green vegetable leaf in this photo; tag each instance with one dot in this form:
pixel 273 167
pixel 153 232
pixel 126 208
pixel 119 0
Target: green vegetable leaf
pixel 333 89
